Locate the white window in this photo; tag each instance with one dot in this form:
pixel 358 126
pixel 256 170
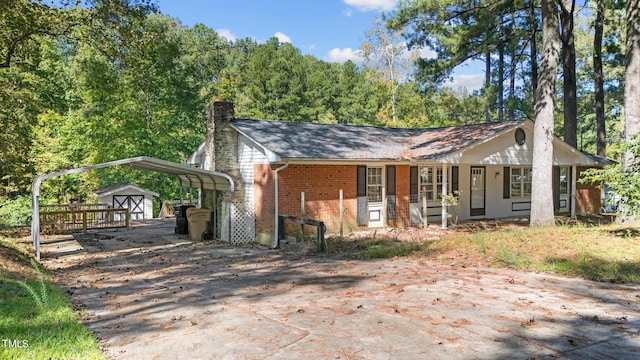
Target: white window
pixel 430 181
pixel 564 180
pixel 374 184
pixel 521 181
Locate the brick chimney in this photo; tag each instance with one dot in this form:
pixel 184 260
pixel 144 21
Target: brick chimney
pixel 221 144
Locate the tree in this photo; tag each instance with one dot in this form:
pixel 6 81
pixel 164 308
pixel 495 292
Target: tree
pixel 569 96
pixel 598 80
pixel 567 26
pixel 23 21
pixel 542 182
pixel 388 55
pixel 474 30
pixel 632 92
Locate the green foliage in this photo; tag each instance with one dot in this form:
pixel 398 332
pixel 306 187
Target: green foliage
pixel 623 182
pixel 15 212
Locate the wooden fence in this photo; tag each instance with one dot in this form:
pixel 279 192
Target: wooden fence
pixel 322 229
pixel 82 219
pixel 67 207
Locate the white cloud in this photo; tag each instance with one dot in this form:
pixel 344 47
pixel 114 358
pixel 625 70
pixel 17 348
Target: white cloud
pixel 282 37
pixel 470 82
pixel 369 5
pixel 227 34
pixel 427 53
pixel 343 55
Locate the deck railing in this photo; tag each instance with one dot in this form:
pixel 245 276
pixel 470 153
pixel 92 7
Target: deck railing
pixel 80 219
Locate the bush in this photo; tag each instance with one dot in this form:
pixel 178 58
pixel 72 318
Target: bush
pixel 623 184
pixel 15 212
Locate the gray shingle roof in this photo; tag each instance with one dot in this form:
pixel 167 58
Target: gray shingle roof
pixel 297 140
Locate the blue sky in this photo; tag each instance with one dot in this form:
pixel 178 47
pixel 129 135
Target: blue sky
pixel 330 30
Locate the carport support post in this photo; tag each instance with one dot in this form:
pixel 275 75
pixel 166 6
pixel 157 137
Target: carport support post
pixel 35 220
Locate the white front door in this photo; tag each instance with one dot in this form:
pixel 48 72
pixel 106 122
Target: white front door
pixel 375 206
pixel 563 189
pixel 477 191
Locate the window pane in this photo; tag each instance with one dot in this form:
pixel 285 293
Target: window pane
pixel 515 182
pixel 564 180
pixel 526 181
pixel 426 183
pixel 374 193
pixel 374 184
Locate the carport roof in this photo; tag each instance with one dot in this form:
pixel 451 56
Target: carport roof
pixel 187 175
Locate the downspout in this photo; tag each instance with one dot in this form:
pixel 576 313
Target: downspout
pixel 276 239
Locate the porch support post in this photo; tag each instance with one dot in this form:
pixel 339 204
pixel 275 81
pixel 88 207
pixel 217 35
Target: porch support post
pixel 384 199
pixel 445 186
pixel 574 180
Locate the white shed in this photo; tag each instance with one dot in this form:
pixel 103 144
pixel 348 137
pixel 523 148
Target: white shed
pixel 126 196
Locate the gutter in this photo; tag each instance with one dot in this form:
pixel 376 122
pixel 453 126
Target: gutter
pixel 276 239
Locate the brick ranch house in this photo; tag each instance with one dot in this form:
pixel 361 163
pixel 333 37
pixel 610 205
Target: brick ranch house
pixel 387 176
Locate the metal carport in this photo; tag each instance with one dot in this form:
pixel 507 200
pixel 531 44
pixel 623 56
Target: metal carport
pixel 187 175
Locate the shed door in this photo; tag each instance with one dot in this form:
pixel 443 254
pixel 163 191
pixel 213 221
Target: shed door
pixel 135 204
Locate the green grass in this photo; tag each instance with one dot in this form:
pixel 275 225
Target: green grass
pixel 603 252
pixel 37 321
pixel 381 248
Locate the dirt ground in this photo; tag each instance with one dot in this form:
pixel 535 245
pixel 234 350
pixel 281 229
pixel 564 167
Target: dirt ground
pixel 150 294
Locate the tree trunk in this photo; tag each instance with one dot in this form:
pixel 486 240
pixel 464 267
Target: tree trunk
pixel 542 182
pixel 512 72
pixel 487 87
pixel 533 49
pixel 569 73
pixel 631 99
pixel 632 79
pixel 598 81
pixel 501 71
pixel 512 88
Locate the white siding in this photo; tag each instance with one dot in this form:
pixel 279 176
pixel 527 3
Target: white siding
pixel 503 150
pixel 495 205
pixel 249 154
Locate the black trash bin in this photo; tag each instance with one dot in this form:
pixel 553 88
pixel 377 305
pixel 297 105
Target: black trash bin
pixel 182 225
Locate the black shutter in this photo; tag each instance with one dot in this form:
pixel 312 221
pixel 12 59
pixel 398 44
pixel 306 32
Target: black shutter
pixel 506 182
pixel 455 183
pixel 413 184
pixel 391 192
pixel 556 188
pixel 362 195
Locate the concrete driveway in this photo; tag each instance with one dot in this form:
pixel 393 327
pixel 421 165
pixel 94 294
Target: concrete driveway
pixel 150 294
